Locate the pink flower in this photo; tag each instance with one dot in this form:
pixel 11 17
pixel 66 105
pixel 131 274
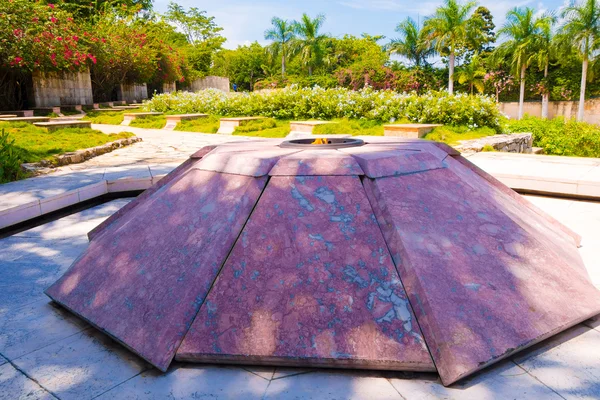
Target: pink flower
pixel 59 38
pixel 53 20
pixel 51 5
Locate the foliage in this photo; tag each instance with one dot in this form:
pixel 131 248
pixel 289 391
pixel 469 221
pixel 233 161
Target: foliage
pixel 351 126
pixel 473 74
pixel 150 122
pixel 561 137
pixel 309 41
pixel 281 33
pixel 10 159
pixel 244 66
pixel 319 103
pixel 410 44
pixel 269 128
pixel 36 36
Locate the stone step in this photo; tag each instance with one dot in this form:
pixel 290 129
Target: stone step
pixel 55 125
pixel 173 120
pixel 30 120
pixel 128 117
pixel 412 131
pixel 227 125
pixel 307 126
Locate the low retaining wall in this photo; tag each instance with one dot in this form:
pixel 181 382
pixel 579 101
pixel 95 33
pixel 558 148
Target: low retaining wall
pixel 55 89
pixel 215 82
pixel 567 109
pixel 513 143
pixel 80 156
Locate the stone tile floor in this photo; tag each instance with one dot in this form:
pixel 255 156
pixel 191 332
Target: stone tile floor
pixel 47 353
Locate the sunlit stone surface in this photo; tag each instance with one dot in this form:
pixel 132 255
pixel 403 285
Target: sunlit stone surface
pixel 381 256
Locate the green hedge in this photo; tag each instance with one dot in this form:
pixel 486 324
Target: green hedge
pixel 295 103
pixel 561 137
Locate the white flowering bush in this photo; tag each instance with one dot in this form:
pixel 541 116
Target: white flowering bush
pixel 318 103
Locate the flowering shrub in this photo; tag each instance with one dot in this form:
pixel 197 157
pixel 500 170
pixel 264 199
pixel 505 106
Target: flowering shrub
pixel 38 36
pixel 318 103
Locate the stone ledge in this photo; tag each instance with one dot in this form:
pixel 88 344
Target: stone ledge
pixel 79 156
pixel 511 143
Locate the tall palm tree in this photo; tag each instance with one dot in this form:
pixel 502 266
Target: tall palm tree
pixel 582 26
pixel 521 31
pixel 281 33
pixel 545 49
pixel 473 74
pixel 410 44
pixel 309 42
pixel 447 29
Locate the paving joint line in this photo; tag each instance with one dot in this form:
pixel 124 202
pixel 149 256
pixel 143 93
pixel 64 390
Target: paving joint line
pixel 537 379
pixel 16 367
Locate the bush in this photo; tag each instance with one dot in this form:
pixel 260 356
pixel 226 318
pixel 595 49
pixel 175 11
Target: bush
pixel 10 159
pixel 295 103
pixel 561 137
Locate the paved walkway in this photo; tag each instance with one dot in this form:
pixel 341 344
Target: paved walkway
pixel 47 353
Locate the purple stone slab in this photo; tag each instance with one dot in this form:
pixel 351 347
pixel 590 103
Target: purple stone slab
pixel 481 286
pixel 310 282
pixel 172 176
pixel 380 161
pixel 517 197
pixel 251 163
pixel 316 162
pixel 144 279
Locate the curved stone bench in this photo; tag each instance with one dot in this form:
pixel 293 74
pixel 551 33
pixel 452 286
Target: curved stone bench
pixel 30 120
pixel 411 131
pixel 54 125
pixel 227 125
pixel 173 120
pixel 128 117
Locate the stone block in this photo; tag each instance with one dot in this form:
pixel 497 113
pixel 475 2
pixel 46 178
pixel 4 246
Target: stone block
pixel 227 125
pixel 410 131
pixel 173 120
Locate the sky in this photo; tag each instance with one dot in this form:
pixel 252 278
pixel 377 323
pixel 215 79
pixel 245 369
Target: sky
pixel 244 22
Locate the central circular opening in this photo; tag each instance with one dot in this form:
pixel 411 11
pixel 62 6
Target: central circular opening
pixel 323 143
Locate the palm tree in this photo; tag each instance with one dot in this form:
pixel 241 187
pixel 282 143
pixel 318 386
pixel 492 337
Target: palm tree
pixel 545 49
pixel 582 27
pixel 411 44
pixel 282 33
pixel 473 74
pixel 309 42
pixel 521 31
pixel 447 30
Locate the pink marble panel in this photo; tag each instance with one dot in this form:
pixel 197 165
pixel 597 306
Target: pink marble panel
pixel 178 172
pixel 481 286
pixel 309 282
pixel 145 278
pixel 317 162
pixel 379 161
pixel 251 163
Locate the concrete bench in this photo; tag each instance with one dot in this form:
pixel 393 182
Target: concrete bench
pixel 173 120
pixel 128 117
pixel 411 131
pixel 227 125
pixel 30 120
pixel 91 107
pixel 54 125
pixel 126 107
pixel 8 115
pixel 72 107
pixel 19 113
pixel 46 110
pixel 307 126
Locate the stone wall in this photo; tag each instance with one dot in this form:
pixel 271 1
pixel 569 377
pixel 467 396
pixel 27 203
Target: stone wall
pixel 169 87
pixel 131 93
pixel 55 89
pixel 567 109
pixel 216 82
pixel 513 143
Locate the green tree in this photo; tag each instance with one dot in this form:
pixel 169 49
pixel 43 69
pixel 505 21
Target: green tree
pixel 281 33
pixel 91 8
pixel 473 74
pixel 243 66
pixel 521 31
pixel 481 31
pixel 310 42
pixel 448 30
pixel 410 44
pixel 582 28
pixel 545 49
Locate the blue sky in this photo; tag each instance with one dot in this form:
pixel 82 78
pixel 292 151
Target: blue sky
pixel 245 21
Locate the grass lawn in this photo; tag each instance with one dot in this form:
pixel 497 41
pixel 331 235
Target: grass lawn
pixel 267 128
pixel 209 124
pixel 353 127
pixel 150 122
pixel 105 117
pixel 453 134
pixel 35 144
